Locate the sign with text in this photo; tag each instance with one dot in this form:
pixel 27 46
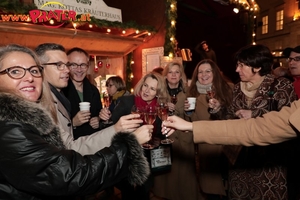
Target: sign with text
pixel 96 8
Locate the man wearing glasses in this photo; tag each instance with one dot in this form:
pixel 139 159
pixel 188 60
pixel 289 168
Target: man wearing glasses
pixel 293 59
pixel 56 72
pixel 80 89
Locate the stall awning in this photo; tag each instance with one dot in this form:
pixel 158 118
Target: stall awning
pixel 94 43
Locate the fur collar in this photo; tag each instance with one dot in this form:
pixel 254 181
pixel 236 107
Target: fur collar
pixel 16 109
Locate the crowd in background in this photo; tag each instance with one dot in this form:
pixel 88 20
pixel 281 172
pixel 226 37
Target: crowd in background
pixel 73 153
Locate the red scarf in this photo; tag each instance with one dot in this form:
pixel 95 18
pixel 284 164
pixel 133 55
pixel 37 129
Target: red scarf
pixel 139 102
pixel 296 84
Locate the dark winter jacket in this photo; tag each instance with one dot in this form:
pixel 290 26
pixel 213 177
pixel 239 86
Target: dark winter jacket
pixel 90 94
pixel 35 165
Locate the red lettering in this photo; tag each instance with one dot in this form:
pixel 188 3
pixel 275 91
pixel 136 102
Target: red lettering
pixel 43 17
pixel 24 17
pixel 58 13
pixel 34 15
pixel 64 16
pixel 14 18
pixel 72 15
pixel 5 18
pixel 52 15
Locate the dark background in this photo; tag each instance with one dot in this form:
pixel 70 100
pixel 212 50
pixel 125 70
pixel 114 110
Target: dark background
pixel 225 32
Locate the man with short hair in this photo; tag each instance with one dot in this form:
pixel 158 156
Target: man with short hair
pixel 293 59
pixel 80 89
pixel 56 72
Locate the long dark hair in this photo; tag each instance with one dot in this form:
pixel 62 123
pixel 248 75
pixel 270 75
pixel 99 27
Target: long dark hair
pixel 221 84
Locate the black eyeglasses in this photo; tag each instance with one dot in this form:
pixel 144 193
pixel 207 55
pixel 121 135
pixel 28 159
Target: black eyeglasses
pixel 75 65
pixel 296 59
pixel 60 65
pixel 17 72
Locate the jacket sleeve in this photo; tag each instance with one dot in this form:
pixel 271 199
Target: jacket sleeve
pixel 273 127
pixel 30 164
pixel 89 144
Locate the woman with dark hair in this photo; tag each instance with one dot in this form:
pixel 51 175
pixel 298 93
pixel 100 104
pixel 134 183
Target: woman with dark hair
pixel 210 164
pixel 34 161
pixel 257 93
pixel 116 88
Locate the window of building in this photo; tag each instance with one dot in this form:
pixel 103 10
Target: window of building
pixel 265 25
pixel 279 20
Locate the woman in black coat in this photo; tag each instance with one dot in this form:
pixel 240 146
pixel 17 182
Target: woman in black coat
pixel 34 163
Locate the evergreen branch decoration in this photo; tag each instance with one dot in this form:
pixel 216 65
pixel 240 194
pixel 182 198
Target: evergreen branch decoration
pixel 171 12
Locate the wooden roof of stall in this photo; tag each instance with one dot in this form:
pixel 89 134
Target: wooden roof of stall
pixel 95 43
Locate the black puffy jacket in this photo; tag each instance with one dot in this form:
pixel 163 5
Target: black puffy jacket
pixel 35 165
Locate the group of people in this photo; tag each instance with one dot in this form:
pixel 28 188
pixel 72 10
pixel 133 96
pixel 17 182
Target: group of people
pixel 51 149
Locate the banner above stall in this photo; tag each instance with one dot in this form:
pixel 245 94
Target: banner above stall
pixel 95 8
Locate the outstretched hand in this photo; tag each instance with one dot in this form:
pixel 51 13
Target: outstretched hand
pixel 175 123
pixel 128 123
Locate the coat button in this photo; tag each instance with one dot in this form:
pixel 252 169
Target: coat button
pixel 69 124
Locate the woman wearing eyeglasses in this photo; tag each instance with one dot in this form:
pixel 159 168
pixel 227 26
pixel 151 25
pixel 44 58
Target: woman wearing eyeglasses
pixel 80 89
pixel 34 161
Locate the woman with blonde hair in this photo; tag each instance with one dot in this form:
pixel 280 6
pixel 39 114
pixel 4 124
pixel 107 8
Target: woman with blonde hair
pixel 35 163
pixel 146 93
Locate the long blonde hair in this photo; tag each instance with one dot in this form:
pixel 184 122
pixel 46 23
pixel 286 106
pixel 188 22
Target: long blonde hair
pixel 45 99
pixel 161 90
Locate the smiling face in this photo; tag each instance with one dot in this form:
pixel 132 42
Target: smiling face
pixel 205 75
pixel 173 76
pixel 294 66
pixel 59 79
pixel 78 58
pixel 149 89
pixel 28 87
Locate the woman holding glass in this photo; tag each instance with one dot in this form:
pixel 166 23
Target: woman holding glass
pixel 35 163
pixel 146 93
pixel 257 93
pixel 211 171
pixel 169 185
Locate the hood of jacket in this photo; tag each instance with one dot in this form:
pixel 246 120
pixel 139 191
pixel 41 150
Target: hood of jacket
pixel 16 109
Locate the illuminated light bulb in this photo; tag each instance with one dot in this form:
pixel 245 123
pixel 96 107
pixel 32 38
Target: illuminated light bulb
pixel 253 34
pixel 132 62
pixel 171 38
pixel 173 23
pixel 108 30
pixel 137 31
pixel 131 76
pixel 236 10
pixel 254 16
pixel 170 55
pixel 131 90
pixel 123 31
pixel 254 43
pixel 91 25
pixel 251 9
pixel 172 6
pixel 51 21
pixel 149 33
pixel 74 25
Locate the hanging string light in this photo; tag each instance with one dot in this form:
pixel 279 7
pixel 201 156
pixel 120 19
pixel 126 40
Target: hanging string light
pixel 171 12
